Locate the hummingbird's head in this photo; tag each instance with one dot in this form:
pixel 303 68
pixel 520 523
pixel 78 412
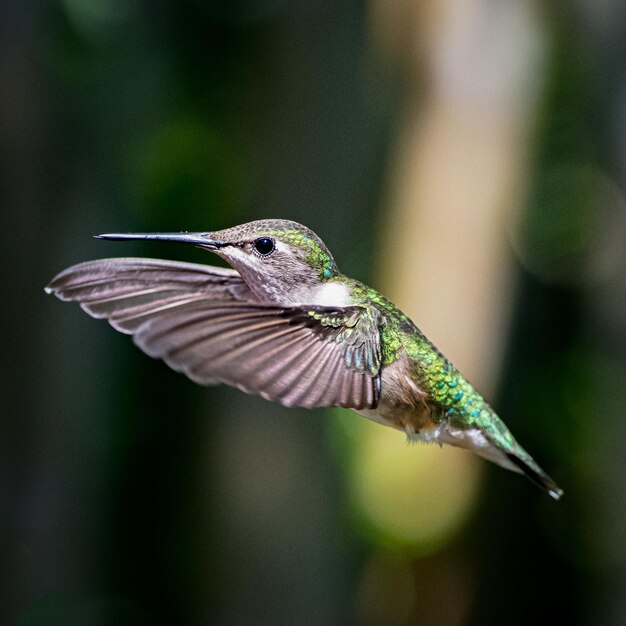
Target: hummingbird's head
pixel 278 259
pixel 275 257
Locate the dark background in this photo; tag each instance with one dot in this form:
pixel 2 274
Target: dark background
pixel 130 495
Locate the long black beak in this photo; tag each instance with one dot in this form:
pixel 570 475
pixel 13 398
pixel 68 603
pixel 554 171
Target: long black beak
pixel 202 240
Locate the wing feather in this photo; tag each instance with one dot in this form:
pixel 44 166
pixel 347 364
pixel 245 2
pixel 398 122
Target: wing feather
pixel 275 352
pixel 128 291
pixel 205 322
pixel 312 388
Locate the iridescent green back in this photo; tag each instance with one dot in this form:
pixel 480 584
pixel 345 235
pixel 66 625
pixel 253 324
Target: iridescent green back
pixel 450 395
pixel 458 402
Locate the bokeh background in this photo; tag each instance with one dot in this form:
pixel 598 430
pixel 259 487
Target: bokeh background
pixel 467 158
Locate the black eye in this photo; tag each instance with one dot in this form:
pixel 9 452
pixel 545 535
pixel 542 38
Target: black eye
pixel 264 246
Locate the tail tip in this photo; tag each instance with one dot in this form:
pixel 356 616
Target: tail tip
pixel 555 492
pixel 537 475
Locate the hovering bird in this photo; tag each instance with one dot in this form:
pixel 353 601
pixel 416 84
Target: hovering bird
pixel 285 324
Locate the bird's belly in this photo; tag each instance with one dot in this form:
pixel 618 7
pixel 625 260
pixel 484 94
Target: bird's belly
pixel 376 416
pixel 415 422
pixel 402 403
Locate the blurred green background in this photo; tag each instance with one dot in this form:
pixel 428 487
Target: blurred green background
pixel 467 158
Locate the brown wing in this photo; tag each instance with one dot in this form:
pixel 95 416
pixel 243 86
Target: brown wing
pixel 297 356
pixel 203 321
pixel 127 291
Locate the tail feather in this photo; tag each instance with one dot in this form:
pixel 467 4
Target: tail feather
pixel 498 446
pixel 536 474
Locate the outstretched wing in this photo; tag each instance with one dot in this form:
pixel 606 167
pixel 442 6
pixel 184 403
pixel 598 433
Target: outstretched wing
pixel 127 291
pixel 299 356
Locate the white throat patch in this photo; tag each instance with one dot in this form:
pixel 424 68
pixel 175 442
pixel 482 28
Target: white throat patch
pixel 333 294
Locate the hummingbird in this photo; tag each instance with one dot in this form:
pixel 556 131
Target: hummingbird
pixel 285 324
